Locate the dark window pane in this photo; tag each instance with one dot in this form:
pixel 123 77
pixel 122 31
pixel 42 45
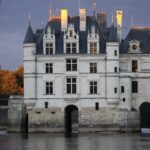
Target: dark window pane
pixel 68 88
pixel 96 106
pixel 68 80
pixel 134 66
pixel 134 87
pixel 74 67
pixel 73 80
pixel 73 88
pixel 122 89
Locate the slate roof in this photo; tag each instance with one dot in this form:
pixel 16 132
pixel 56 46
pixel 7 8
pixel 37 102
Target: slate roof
pixel 29 38
pixel 106 35
pixel 141 34
pixel 112 37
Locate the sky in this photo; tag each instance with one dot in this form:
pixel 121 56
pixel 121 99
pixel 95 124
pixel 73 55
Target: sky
pixel 14 20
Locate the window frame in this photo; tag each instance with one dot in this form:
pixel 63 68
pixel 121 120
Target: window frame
pixel 49 48
pixel 93 67
pixel 134 86
pixel 71 48
pixel 49 88
pixel 72 65
pixel 71 86
pixel 93 87
pixel 134 65
pixel 49 68
pixel 93 47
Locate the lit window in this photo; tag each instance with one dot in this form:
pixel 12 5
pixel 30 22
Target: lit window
pixel 71 85
pixel 49 88
pixel 134 87
pixel 49 68
pixel 134 65
pixel 71 48
pixel 93 87
pixel 49 48
pixel 93 48
pixel 71 64
pixel 93 67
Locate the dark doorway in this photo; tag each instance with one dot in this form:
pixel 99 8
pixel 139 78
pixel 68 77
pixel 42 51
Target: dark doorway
pixel 145 115
pixel 71 120
pixel 26 123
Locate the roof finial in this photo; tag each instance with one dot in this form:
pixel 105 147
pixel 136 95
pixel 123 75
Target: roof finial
pixel 112 19
pixel 79 5
pixel 50 13
pixel 94 8
pixel 57 12
pixel 29 19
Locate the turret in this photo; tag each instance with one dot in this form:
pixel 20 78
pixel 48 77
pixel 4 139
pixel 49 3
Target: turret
pixel 29 47
pixel 112 68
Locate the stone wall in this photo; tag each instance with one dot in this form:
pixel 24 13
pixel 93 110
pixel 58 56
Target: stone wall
pixel 3 117
pixel 15 113
pixel 90 120
pixel 105 120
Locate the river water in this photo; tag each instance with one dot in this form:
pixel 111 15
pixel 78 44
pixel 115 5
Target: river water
pixel 41 141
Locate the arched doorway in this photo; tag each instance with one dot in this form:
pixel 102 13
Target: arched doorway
pixel 71 120
pixel 145 115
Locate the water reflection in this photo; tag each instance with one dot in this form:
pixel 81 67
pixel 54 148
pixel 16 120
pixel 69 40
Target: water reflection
pixel 82 142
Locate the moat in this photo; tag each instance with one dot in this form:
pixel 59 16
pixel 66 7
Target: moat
pixel 41 141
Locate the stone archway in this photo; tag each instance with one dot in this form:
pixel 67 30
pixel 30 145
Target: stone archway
pixel 71 120
pixel 145 115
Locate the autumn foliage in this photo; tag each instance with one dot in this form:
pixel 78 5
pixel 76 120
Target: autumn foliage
pixel 11 82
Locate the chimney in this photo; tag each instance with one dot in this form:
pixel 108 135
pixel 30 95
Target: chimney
pixel 102 19
pixel 82 13
pixel 119 16
pixel 64 19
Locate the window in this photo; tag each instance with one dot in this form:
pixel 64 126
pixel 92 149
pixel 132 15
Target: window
pixel 93 67
pixel 71 85
pixel 93 48
pixel 71 64
pixel 96 106
pixel 46 105
pixel 134 65
pixel 93 87
pixel 49 48
pixel 115 90
pixel 115 52
pixel 49 88
pixel 49 68
pixel 115 69
pixel 122 89
pixel 123 99
pixel 134 87
pixel 71 48
pixel 71 33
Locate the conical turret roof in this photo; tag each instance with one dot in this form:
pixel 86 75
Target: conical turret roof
pixel 29 38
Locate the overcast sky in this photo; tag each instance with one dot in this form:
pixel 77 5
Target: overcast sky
pixel 14 20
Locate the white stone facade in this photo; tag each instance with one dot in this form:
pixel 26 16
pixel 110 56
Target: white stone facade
pixel 107 79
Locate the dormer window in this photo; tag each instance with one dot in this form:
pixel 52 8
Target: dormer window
pixel 49 42
pixel 93 48
pixel 71 40
pixel 49 48
pixel 134 46
pixel 71 48
pixel 93 41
